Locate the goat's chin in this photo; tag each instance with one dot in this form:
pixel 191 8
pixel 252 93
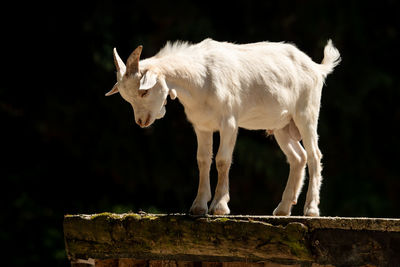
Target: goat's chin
pixel 161 114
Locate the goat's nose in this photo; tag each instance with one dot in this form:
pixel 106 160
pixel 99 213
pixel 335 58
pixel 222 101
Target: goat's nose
pixel 144 123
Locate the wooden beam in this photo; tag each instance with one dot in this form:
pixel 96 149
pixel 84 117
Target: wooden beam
pixel 281 240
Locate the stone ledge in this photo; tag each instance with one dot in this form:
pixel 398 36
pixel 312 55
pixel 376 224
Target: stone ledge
pixel 289 240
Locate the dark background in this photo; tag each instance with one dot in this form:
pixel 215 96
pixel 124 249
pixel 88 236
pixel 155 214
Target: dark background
pixel 68 149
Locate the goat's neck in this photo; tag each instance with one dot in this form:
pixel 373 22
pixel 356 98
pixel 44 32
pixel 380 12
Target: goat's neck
pixel 184 90
pixel 182 73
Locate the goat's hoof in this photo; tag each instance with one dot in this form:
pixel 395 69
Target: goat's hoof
pixel 311 211
pixel 198 209
pixel 220 208
pixel 282 210
pixel 278 212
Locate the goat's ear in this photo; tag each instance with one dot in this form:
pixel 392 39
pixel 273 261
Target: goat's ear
pixel 119 64
pixel 114 90
pixel 132 64
pixel 148 80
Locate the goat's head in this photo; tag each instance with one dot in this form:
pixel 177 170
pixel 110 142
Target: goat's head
pixel 145 89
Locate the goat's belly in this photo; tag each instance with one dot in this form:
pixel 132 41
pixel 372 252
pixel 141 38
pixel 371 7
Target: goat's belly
pixel 264 121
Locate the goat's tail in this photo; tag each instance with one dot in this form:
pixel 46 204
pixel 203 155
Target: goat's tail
pixel 331 58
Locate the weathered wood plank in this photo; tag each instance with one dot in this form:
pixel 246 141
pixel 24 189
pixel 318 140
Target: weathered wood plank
pixel 253 239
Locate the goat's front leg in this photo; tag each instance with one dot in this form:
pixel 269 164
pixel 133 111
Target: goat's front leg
pixel 204 158
pixel 228 133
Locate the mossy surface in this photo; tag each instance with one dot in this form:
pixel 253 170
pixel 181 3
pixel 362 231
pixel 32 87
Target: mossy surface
pixel 294 240
pixel 109 235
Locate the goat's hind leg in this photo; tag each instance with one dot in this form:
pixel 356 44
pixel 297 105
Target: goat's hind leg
pixel 308 131
pixel 297 158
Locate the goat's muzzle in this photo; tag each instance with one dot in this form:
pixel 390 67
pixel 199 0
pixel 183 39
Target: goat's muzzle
pixel 144 123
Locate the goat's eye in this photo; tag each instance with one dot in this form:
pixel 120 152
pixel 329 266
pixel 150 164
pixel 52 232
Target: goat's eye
pixel 143 93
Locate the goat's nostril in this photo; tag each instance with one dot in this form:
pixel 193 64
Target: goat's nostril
pixel 139 122
pixel 147 120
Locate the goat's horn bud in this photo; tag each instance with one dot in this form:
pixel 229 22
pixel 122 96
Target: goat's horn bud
pixel 132 64
pixel 119 64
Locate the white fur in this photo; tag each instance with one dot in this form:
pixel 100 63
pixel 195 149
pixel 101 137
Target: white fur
pixel 223 86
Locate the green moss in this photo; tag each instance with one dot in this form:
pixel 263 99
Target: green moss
pixel 133 215
pixel 177 234
pixel 222 220
pixel 296 230
pixel 103 214
pixel 296 239
pixel 109 215
pixel 150 217
pixel 299 249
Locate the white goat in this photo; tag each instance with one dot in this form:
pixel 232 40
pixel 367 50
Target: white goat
pixel 223 86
